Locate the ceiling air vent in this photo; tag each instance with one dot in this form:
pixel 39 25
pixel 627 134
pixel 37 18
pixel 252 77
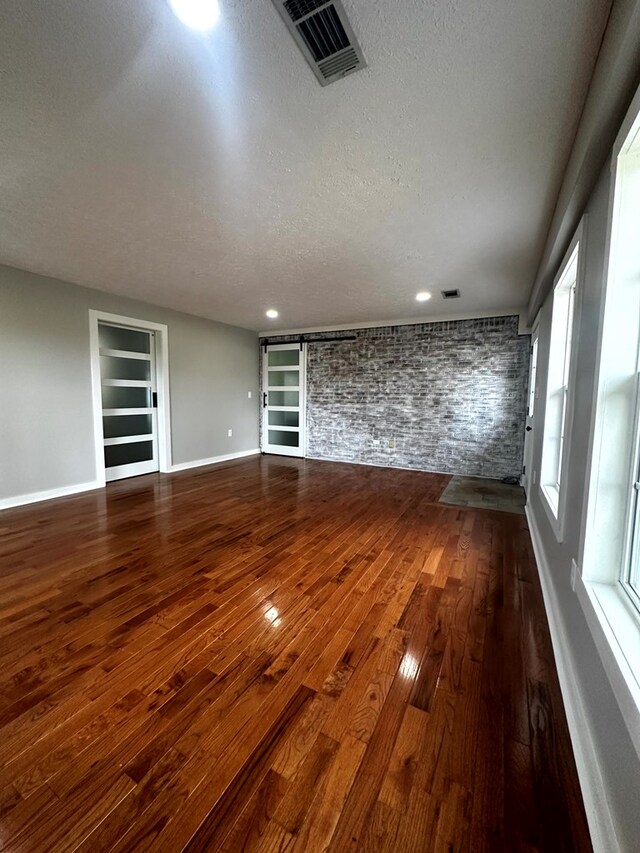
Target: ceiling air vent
pixel 450 294
pixel 324 35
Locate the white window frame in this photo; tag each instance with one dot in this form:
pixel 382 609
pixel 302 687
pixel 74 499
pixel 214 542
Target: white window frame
pixel 162 378
pixel 563 345
pixel 631 573
pixel 608 519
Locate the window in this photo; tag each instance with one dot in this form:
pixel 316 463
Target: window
pixel 609 585
pixel 557 421
pixel 632 579
pixel 631 568
pixel 619 397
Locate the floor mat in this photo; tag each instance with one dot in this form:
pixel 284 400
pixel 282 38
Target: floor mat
pixel 484 494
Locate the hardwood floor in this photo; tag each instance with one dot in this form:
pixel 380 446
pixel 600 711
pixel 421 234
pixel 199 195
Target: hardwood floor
pixel 278 655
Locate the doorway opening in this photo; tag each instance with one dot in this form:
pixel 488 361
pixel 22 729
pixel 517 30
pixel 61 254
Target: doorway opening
pixel 129 369
pixel 527 469
pixel 283 400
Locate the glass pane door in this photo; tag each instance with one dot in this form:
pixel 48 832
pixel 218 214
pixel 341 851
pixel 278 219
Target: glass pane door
pixel 283 400
pixel 526 479
pixel 128 380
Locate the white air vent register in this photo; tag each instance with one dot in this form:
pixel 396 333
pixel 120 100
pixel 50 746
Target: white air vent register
pixel 324 35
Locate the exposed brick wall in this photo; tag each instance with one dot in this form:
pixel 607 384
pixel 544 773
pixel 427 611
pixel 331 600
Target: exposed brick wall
pixel 451 395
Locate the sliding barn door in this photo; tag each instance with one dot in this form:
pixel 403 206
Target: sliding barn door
pixel 527 468
pixel 129 414
pixel 283 399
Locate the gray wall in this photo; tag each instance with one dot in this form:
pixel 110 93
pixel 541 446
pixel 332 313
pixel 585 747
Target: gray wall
pixel 616 755
pixel 451 395
pixel 46 420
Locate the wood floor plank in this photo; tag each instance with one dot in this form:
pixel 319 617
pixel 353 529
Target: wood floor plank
pixel 309 656
pixel 254 830
pixel 295 748
pixel 294 805
pixel 220 820
pixel 330 798
pixel 399 778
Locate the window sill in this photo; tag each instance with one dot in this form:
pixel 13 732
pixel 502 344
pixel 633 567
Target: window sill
pixel 551 502
pixel 615 626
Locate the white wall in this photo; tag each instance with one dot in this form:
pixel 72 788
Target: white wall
pixel 46 426
pixel 614 81
pixel 612 768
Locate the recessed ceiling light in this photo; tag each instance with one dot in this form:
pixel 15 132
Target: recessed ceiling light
pixel 272 313
pixel 197 14
pixel 423 296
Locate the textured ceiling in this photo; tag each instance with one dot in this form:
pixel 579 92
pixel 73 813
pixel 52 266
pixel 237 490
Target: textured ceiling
pixel 214 175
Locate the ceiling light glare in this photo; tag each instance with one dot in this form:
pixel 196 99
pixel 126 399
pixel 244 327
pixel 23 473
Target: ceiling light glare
pixel 271 614
pixel 409 667
pixel 198 14
pixel 423 296
pixel 272 313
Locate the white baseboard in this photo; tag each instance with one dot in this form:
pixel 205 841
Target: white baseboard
pixel 66 491
pixel 213 460
pixel 594 793
pixel 49 494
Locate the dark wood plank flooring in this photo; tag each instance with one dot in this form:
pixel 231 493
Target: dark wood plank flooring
pixel 278 655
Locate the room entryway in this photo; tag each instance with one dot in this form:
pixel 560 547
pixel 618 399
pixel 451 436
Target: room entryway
pixel 129 401
pixel 129 364
pixel 527 468
pixel 283 400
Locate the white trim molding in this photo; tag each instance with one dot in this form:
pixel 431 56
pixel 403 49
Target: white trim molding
pixel 594 791
pixel 78 488
pixel 614 627
pixel 49 494
pixel 523 328
pixel 613 457
pixel 554 495
pixel 213 460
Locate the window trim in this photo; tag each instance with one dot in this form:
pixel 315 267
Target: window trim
pixel 614 628
pixel 553 497
pixel 631 559
pixel 612 618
